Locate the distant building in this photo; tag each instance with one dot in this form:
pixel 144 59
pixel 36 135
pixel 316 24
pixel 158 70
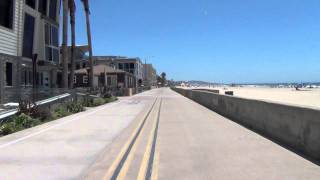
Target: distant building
pixel 105 76
pixel 29 27
pixel 130 65
pixel 150 75
pixel 115 78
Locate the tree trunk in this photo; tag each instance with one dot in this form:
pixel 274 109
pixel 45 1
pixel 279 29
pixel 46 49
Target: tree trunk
pixel 87 11
pixel 73 41
pixel 64 45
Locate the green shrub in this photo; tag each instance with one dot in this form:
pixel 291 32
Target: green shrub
pixel 60 112
pixel 44 114
pixel 98 102
pixel 111 99
pixel 7 128
pixel 87 102
pixel 18 123
pixel 23 121
pixel 36 122
pixel 107 95
pixel 75 107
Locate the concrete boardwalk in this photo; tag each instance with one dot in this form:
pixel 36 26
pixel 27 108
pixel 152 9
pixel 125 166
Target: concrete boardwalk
pixel 157 134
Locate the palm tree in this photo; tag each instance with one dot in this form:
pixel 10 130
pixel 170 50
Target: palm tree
pixel 64 45
pixel 72 7
pixel 87 11
pixel 163 78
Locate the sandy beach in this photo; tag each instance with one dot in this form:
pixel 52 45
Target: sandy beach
pixel 305 97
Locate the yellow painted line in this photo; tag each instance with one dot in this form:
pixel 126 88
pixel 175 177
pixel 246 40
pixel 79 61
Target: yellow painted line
pixel 124 149
pixel 145 161
pixel 125 167
pixel 155 168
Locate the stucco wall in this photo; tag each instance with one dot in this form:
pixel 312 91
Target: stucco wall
pixel 295 127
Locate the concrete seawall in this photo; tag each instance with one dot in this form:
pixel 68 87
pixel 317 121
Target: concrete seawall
pixel 292 126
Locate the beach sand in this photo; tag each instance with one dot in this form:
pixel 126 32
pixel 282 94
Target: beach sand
pixel 305 97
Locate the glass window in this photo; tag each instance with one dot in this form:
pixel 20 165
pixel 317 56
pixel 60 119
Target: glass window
pixel 131 65
pixel 9 74
pixel 52 43
pixel 42 8
pixel 55 36
pixel 120 66
pixel 48 54
pixel 28 34
pixel 6 13
pixel 55 55
pixel 47 34
pixel 53 10
pixel 31 3
pixel 126 66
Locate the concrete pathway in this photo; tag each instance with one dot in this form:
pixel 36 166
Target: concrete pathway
pixel 196 143
pixel 154 135
pixel 65 148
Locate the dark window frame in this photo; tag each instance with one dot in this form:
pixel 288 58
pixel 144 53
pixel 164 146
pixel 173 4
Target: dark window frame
pixel 51 34
pixel 26 44
pixel 132 65
pixel 53 13
pixel 43 7
pixel 9 74
pixel 33 5
pixel 9 25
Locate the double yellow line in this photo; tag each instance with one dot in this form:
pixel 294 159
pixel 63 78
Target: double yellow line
pixel 120 166
pixel 151 156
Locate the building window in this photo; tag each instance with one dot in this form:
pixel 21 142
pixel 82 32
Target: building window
pixel 114 80
pixel 120 66
pixel 6 13
pixel 126 66
pixel 131 65
pixel 31 3
pixel 85 79
pixel 74 79
pixel 53 10
pixel 52 43
pixel 42 7
pixel 27 49
pixel 9 74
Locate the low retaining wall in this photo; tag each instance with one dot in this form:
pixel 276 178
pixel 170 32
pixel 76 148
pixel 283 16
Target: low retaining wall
pixel 295 127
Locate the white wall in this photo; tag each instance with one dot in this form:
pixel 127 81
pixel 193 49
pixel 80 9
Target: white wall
pixel 9 38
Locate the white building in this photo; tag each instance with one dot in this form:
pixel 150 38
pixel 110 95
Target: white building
pixel 29 27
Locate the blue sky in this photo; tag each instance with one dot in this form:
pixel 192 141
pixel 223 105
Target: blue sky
pixel 231 41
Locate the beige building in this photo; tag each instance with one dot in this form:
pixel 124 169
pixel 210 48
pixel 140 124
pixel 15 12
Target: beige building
pixel 130 65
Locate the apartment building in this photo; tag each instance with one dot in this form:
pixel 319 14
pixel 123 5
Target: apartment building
pixel 29 29
pixel 130 65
